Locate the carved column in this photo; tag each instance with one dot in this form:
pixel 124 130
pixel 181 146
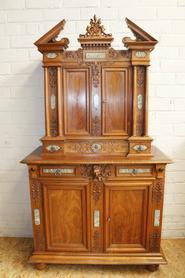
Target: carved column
pixel 157 205
pixel 37 209
pixel 97 175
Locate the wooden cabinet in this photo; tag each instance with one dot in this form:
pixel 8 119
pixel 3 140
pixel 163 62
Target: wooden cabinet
pixel 96 183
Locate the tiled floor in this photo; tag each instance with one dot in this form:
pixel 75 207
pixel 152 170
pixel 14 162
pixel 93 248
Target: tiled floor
pixel 15 251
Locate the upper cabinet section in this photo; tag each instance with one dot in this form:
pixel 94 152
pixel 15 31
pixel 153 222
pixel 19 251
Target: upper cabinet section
pixel 96 95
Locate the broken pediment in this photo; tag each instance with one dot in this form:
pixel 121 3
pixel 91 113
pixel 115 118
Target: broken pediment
pixel 49 40
pixel 143 39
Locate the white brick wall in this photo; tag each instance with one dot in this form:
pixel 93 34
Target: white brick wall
pixel 21 91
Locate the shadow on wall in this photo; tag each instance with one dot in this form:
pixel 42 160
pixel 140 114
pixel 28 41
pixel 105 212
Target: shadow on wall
pixel 22 125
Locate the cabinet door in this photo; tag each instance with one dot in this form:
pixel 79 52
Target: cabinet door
pixel 115 101
pixel 65 209
pixel 127 210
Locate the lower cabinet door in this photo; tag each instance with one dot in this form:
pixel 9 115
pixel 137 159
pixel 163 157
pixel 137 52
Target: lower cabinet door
pixel 65 212
pixel 126 216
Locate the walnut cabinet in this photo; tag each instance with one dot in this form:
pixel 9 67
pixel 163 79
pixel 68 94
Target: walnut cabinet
pixel 96 183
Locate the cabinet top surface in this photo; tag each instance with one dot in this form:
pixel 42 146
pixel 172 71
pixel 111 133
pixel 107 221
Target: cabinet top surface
pixel 36 157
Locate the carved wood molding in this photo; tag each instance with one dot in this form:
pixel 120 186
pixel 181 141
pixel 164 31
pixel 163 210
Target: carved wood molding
pixel 98 174
pixel 35 190
pixel 140 81
pixel 95 29
pixel 155 239
pixel 52 75
pixel 39 239
pixel 157 191
pixel 96 241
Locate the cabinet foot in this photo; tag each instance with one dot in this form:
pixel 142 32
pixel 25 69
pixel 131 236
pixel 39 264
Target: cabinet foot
pixel 41 266
pixel 152 267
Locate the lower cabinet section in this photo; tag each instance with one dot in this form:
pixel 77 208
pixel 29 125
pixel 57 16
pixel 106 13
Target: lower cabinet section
pixel 96 216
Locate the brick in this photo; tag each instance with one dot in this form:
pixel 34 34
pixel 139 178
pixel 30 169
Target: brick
pixel 5 68
pixel 141 13
pixel 81 3
pixel 15 28
pixel 3 16
pixel 163 104
pixel 10 55
pixel 161 78
pixel 18 68
pixel 103 13
pixel 175 91
pixel 22 42
pixel 171 13
pixel 25 16
pixel 59 14
pixel 179 104
pixel 4 42
pixel 11 5
pixel 181 3
pixel 41 4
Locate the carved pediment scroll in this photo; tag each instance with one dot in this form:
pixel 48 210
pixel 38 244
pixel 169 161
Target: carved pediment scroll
pixel 95 36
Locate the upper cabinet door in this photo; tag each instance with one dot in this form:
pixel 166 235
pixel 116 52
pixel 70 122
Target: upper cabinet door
pixel 114 100
pixel 127 211
pixel 76 101
pixel 65 212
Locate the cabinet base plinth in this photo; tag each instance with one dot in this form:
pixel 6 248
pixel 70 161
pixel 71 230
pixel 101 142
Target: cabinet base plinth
pixel 96 259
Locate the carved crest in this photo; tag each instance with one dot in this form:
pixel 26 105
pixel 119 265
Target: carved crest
pixel 95 36
pixel 95 29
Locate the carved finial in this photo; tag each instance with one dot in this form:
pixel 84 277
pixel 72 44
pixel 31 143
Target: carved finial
pixel 95 29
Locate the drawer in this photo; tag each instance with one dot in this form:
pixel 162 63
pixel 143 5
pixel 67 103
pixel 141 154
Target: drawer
pixel 57 171
pixel 139 171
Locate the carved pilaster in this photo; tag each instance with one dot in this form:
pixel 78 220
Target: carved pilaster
pixel 53 101
pixel 155 239
pixel 37 215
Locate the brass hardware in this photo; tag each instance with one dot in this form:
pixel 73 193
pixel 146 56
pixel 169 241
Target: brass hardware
pixel 96 218
pixel 32 169
pixel 140 54
pixel 53 101
pixel 95 55
pixel 108 219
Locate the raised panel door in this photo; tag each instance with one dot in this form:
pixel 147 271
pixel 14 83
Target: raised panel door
pixel 66 209
pixel 114 102
pixel 76 101
pixel 126 217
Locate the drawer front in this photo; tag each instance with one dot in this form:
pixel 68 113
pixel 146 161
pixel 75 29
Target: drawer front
pixel 57 171
pixel 131 171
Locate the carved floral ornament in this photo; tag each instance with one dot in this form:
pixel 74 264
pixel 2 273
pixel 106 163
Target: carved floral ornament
pixel 95 29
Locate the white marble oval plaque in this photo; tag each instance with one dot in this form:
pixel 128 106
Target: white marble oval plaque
pixel 53 148
pixel 96 147
pixel 140 148
pixel 140 54
pixel 140 101
pixel 53 102
pixel 51 55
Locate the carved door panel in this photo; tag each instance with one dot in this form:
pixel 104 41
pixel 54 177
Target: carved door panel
pixel 76 101
pixel 66 209
pixel 127 216
pixel 114 102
